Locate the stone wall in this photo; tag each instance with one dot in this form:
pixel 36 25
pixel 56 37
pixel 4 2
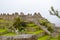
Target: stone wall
pixel 16 14
pixel 40 34
pixel 31 29
pixel 23 37
pixel 57 29
pixel 19 37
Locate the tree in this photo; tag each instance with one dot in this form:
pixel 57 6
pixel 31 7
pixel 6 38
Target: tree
pixel 19 24
pixel 54 12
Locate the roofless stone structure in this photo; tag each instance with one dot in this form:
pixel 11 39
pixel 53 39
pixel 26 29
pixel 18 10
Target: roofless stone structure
pixel 22 15
pixel 34 18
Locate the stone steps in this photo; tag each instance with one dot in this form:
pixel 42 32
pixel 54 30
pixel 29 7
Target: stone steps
pixel 42 27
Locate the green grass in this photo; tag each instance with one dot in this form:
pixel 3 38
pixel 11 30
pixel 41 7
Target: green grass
pixel 2 30
pixel 31 25
pixel 43 38
pixel 2 20
pixel 35 27
pixel 47 37
pixel 53 39
pixel 9 34
pixel 36 32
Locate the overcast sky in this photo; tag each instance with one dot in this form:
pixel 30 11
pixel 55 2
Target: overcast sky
pixel 31 6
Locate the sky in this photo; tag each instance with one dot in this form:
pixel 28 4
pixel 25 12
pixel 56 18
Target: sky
pixel 31 6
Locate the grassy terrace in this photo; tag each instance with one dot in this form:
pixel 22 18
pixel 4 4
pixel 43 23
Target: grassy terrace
pixel 36 32
pixel 2 20
pixel 47 37
pixel 2 30
pixel 31 25
pixel 12 34
pixel 43 37
pixel 3 33
pixel 9 34
pixel 34 29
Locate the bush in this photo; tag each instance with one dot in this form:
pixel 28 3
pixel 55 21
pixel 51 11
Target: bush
pixel 47 24
pixel 19 24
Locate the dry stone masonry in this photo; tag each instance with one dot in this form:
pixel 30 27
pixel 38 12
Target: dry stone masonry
pixel 19 37
pixel 16 14
pixel 34 18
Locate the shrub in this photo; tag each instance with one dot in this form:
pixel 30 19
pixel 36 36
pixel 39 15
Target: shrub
pixel 46 23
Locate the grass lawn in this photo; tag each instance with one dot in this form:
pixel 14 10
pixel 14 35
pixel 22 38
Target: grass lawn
pixel 53 39
pixel 36 32
pixel 2 30
pixel 9 34
pixel 46 37
pixel 31 25
pixel 2 20
pixel 43 37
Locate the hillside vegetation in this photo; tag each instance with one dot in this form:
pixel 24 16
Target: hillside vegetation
pixel 18 27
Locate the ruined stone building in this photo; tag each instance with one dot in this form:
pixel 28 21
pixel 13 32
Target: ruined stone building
pixel 22 15
pixel 28 17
